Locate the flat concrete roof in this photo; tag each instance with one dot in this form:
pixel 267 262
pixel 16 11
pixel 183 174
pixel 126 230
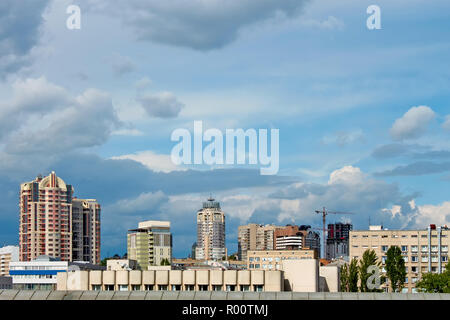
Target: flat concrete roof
pixel 211 295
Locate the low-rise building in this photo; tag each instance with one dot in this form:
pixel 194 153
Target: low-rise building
pixel 299 276
pixel 272 259
pixel 172 280
pixel 40 274
pixel 121 264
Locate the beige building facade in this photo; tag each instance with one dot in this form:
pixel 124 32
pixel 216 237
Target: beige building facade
pixel 150 244
pixel 254 237
pixel 273 259
pixel 210 232
pixel 172 280
pixel 423 250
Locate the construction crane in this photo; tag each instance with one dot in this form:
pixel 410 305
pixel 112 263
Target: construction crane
pixel 324 213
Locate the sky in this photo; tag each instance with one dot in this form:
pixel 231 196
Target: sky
pixel 363 115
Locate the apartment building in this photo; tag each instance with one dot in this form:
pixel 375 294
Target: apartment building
pixel 49 226
pixel 86 230
pixel 273 259
pixel 254 237
pixel 210 232
pixel 423 250
pixel 150 244
pixel 8 254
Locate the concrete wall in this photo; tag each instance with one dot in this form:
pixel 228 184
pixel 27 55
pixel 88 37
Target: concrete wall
pixel 301 275
pixel 165 279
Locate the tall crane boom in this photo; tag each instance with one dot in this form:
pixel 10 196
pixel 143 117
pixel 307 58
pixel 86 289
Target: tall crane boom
pixel 324 211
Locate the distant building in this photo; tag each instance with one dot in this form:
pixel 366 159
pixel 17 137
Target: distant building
pixel 194 246
pixel 210 232
pixel 150 244
pixel 54 223
pixel 121 264
pixel 40 274
pixel 272 259
pixel 424 250
pixel 86 230
pixel 292 237
pixel 254 237
pixel 337 240
pixel 8 254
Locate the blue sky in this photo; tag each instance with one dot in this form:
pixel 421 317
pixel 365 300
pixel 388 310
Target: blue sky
pixel 363 114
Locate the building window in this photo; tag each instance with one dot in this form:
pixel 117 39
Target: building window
pixel 135 287
pixel 109 287
pixel 188 287
pixel 444 248
pixel 176 287
pixel 413 248
pixel 384 248
pixel 203 287
pixel 258 288
pixel 148 287
pixel 414 259
pixel 96 287
pixel 245 288
pixel 162 287
pixel 404 248
pixel 231 287
pixel 444 258
pixel 123 287
pixel 217 288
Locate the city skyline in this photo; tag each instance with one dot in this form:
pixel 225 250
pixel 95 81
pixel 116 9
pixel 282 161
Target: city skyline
pixel 363 115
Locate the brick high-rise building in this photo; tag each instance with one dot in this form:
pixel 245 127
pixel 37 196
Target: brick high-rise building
pixel 210 232
pixel 49 225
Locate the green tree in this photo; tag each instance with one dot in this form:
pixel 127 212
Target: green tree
pixel 395 268
pixel 369 258
pixel 343 278
pixel 353 273
pixel 165 262
pixel 435 283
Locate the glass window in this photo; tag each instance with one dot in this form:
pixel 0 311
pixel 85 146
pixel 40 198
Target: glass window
pixel 404 248
pixel 149 287
pixel 203 287
pixel 245 288
pixel 188 287
pixel 123 287
pixel 162 287
pixel 96 287
pixel 176 287
pixel 258 288
pixel 230 287
pixel 135 287
pixel 217 288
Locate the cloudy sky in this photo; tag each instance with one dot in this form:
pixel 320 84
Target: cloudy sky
pixel 364 115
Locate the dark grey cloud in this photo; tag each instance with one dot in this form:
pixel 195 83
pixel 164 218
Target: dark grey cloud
pixel 20 22
pixel 161 105
pixel 412 151
pixel 197 24
pixel 416 169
